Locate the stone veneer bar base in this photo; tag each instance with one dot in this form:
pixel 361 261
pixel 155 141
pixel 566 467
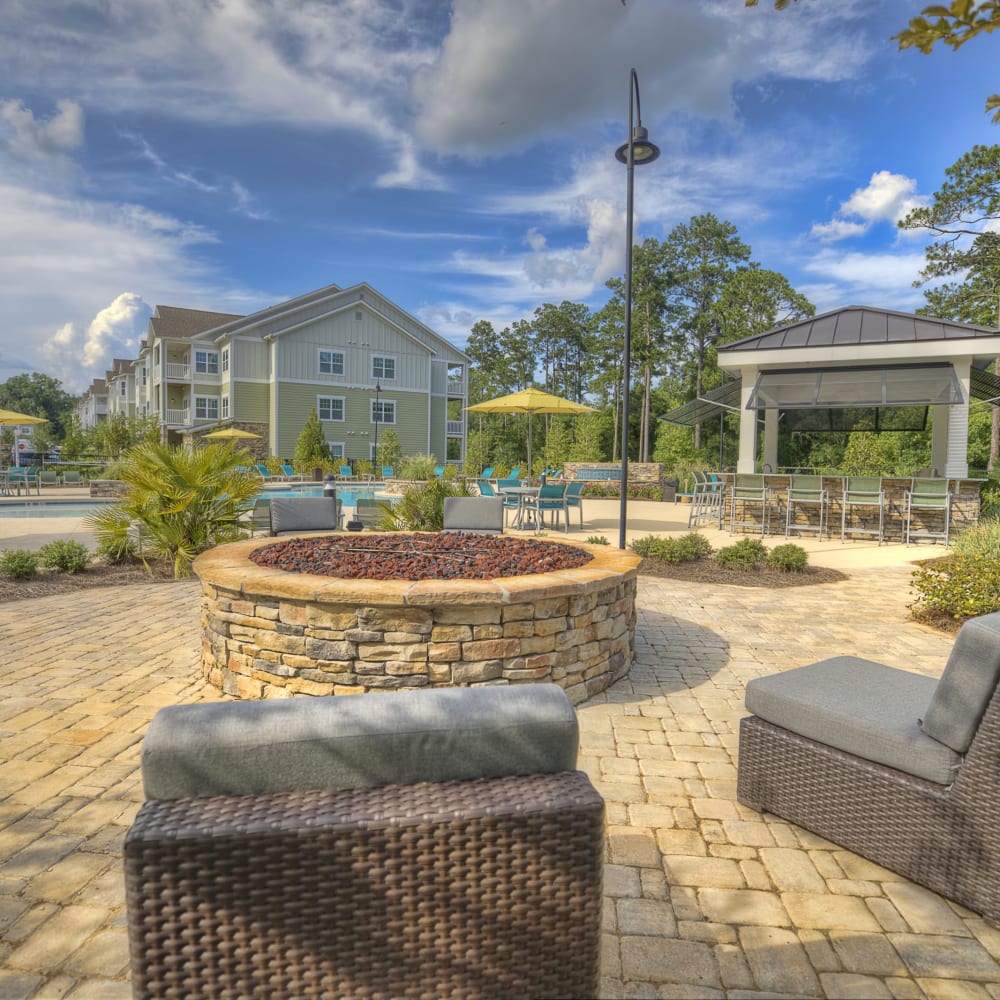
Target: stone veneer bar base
pixel 272 634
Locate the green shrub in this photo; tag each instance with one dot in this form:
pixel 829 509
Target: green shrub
pixel 417 467
pixel 117 550
pixel 597 540
pixel 673 550
pixel 421 508
pixel 982 541
pixel 610 491
pixel 64 555
pixel 958 588
pixel 788 558
pixel 747 553
pixel 18 564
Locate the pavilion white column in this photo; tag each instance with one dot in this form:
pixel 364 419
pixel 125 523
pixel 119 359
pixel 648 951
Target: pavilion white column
pixel 771 439
pixel 747 459
pixel 957 463
pixel 940 419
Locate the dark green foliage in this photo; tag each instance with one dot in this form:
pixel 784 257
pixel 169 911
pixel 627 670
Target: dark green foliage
pixel 747 553
pixel 610 491
pixel 789 558
pixel 673 550
pixel 64 555
pixel 18 564
pixel 116 550
pixel 597 540
pixel 310 448
pixel 422 507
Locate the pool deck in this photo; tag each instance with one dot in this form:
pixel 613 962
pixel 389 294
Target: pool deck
pixel 703 897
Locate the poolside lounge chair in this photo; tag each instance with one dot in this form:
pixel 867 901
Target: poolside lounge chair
pixel 439 471
pixel 345 473
pixel 895 766
pixel 477 514
pixel 265 473
pixel 439 843
pixel 72 477
pixel 48 477
pixel 487 473
pixel 290 473
pixel 388 472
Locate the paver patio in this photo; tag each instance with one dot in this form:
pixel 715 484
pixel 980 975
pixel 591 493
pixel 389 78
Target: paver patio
pixel 703 896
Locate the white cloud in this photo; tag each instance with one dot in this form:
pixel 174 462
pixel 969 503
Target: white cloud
pixel 864 278
pixel 34 139
pixel 887 197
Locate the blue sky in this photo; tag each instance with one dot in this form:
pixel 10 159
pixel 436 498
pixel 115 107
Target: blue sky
pixel 230 154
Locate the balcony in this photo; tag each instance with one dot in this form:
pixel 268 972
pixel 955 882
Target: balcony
pixel 456 386
pixel 181 417
pixel 455 428
pixel 178 373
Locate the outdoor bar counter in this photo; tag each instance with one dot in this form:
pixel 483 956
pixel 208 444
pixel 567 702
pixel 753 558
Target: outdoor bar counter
pixel 965 504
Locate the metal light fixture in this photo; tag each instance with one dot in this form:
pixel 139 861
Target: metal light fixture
pixel 378 417
pixel 640 150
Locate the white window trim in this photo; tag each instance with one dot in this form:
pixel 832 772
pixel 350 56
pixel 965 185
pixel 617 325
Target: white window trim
pixel 331 350
pixel 207 370
pixel 383 358
pixel 382 403
pixel 207 415
pixel 332 420
pixel 224 407
pixel 224 360
pixel 337 444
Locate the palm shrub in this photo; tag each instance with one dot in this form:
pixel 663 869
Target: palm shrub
pixel 422 507
pixel 417 467
pixel 184 500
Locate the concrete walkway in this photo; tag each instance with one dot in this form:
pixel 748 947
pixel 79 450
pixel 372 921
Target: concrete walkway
pixel 703 896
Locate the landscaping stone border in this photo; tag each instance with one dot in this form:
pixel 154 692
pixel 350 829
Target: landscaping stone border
pixel 272 634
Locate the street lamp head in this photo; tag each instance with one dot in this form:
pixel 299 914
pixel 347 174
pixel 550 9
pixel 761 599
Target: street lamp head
pixel 643 151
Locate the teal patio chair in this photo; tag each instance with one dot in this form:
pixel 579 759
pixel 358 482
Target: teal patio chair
pixel 574 499
pixel 265 473
pixel 290 473
pixel 487 473
pixel 345 472
pixel 388 472
pixel 550 498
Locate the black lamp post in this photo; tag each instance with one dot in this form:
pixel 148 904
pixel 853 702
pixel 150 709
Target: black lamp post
pixel 378 417
pixel 640 150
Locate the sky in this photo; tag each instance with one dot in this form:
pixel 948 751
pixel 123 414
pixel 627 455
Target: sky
pixel 231 154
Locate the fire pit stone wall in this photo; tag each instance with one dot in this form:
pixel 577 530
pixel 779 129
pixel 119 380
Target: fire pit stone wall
pixel 274 634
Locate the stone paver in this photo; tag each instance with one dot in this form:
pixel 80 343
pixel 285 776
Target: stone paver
pixel 704 897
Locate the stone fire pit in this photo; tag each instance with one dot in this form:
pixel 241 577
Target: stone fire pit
pixel 268 633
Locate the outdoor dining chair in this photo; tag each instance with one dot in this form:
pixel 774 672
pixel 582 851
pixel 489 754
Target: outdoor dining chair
pixel 574 498
pixel 864 493
pixel 550 498
pixel 928 504
pixel 807 492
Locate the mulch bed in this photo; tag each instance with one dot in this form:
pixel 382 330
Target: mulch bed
pixel 709 571
pixel 47 582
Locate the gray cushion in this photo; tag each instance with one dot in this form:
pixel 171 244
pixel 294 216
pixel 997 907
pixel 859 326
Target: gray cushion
pixel 350 741
pixel 303 514
pixel 482 514
pixel 966 685
pixel 864 708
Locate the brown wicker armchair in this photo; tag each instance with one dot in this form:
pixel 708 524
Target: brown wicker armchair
pixel 896 767
pixel 483 881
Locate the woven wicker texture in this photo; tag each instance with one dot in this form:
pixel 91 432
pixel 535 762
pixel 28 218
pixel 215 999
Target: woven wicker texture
pixel 487 888
pixel 944 837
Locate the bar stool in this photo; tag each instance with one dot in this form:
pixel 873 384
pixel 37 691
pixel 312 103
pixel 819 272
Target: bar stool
pixel 864 492
pixel 806 491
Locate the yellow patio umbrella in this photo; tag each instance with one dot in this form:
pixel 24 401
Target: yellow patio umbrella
pixel 10 418
pixel 232 434
pixel 530 401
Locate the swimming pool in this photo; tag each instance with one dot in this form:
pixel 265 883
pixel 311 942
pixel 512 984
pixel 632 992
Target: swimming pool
pixel 52 508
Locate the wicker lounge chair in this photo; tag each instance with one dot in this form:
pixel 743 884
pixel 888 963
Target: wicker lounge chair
pixel 892 765
pixel 432 844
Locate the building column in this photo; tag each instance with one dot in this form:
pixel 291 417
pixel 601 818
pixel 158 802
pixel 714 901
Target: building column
pixel 771 440
pixel 957 462
pixel 747 459
pixel 940 419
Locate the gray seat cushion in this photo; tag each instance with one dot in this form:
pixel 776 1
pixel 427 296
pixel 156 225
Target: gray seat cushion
pixel 482 514
pixel 861 707
pixel 967 684
pixel 351 741
pixel 303 514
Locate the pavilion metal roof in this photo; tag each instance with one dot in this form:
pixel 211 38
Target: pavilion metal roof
pixel 852 325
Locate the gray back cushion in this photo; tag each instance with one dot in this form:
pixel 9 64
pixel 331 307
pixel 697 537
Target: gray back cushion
pixel 483 514
pixel 350 741
pixel 966 685
pixel 303 514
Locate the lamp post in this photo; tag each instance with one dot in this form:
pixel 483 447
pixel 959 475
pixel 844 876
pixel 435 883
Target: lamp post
pixel 640 150
pixel 378 417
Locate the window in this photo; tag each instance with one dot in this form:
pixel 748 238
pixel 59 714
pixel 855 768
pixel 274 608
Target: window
pixel 225 407
pixel 121 388
pixel 330 407
pixel 225 360
pixel 384 412
pixel 206 408
pixel 145 374
pixel 336 449
pixel 331 362
pixel 206 362
pixel 383 369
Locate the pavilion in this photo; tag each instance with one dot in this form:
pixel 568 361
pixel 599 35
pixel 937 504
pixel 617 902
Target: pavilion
pixel 883 369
